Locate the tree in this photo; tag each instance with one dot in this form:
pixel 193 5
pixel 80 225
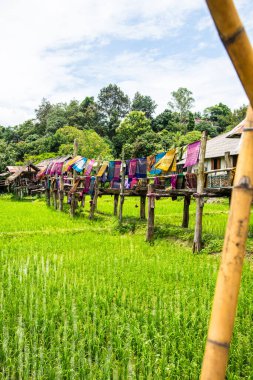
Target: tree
pixel 205 125
pixel 7 155
pixel 220 115
pixel 113 105
pixel 144 145
pixel 90 144
pixel 143 103
pixel 42 114
pixel 165 120
pixel 132 126
pixel 56 118
pixel 182 102
pixel 90 115
pixel 73 114
pixel 238 115
pixel 189 138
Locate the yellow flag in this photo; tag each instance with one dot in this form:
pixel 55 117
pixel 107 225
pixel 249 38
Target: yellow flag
pixel 102 169
pixel 168 162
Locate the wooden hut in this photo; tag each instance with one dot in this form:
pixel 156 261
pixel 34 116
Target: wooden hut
pixel 22 179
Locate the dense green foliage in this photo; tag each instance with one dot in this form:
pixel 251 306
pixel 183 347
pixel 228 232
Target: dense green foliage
pixel 110 123
pixel 88 299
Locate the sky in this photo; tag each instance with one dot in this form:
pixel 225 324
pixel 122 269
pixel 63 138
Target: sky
pixel 63 50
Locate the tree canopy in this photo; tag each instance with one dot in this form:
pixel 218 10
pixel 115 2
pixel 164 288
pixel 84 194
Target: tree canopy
pixel 111 122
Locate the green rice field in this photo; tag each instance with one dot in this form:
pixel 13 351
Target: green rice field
pixel 85 299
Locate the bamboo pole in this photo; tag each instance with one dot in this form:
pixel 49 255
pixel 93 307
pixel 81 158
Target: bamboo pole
pixel 222 319
pixel 235 40
pixel 197 244
pixel 229 276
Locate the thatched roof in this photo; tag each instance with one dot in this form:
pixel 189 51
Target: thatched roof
pixel 217 146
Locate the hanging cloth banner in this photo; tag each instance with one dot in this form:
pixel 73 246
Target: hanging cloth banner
pixel 141 168
pixel 102 169
pixel 157 159
pixel 192 155
pixel 168 162
pixel 79 165
pixel 111 171
pixel 150 162
pixel 89 167
pixel 68 164
pixel 132 168
pixel 116 174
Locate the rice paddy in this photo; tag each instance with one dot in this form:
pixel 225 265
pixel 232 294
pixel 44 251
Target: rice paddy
pixel 87 299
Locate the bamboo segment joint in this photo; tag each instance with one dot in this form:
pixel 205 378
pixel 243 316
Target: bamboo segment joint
pixel 231 39
pixel 244 184
pixel 220 344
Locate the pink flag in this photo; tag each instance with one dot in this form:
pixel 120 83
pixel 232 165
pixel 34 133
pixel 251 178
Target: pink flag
pixel 192 154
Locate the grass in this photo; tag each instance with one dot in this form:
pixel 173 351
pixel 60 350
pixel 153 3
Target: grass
pixel 87 299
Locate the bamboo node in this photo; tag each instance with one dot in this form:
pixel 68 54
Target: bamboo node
pixel 244 183
pixel 220 344
pixel 231 39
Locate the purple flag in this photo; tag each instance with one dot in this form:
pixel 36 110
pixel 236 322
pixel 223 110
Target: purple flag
pixel 192 155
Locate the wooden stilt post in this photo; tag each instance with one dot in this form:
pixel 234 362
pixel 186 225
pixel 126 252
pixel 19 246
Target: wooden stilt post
pixel 122 187
pixel 55 193
pixel 197 244
pixel 61 193
pixel 221 325
pixel 115 204
pixel 73 205
pixel 48 193
pixel 151 214
pixel 143 207
pixel 83 201
pixel 93 201
pixel 227 157
pixel 187 201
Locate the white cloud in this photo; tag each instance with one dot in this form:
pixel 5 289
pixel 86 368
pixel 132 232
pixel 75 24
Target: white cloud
pixel 41 42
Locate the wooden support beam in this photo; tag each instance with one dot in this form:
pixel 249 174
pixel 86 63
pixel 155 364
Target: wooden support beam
pixel 187 201
pixel 83 201
pixel 115 203
pixel 122 188
pixel 151 213
pixel 228 162
pixel 143 207
pixel 48 193
pixel 55 199
pixel 93 201
pixel 73 205
pixel 197 244
pixel 61 193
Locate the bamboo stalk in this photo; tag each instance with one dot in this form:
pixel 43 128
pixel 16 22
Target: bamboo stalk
pixel 229 276
pixel 235 40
